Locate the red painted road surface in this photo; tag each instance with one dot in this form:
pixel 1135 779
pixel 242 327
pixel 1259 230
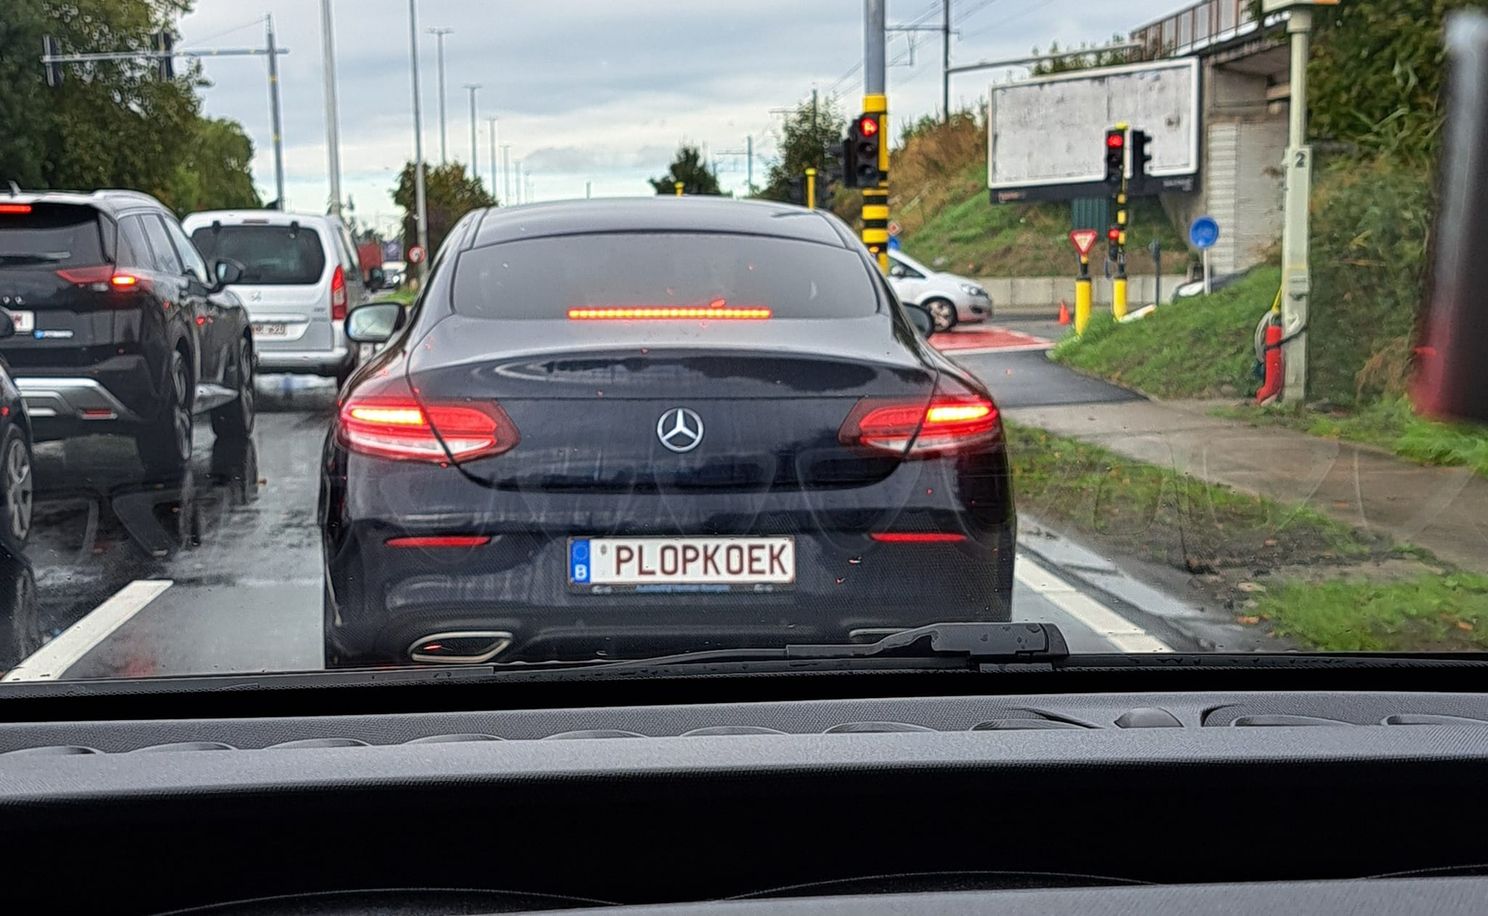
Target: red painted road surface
pixel 987 340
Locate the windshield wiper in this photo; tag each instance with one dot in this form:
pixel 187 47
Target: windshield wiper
pixel 43 257
pixel 975 646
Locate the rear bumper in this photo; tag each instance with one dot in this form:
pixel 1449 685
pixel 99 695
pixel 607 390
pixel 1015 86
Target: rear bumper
pixel 381 600
pixel 309 362
pixel 119 393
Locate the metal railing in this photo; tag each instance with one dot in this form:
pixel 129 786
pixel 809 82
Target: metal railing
pixel 1201 25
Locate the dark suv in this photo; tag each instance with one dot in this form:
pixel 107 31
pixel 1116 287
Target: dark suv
pixel 120 326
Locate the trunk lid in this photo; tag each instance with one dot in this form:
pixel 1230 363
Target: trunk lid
pixel 597 407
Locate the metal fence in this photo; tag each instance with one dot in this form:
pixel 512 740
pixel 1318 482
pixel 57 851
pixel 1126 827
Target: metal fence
pixel 1206 23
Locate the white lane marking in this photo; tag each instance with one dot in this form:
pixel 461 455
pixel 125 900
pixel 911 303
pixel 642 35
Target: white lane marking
pixel 52 660
pixel 1109 625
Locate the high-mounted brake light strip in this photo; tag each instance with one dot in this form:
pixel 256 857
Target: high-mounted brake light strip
pixel 713 310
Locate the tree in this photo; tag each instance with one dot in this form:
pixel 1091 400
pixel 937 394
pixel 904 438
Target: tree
pixel 213 172
pixel 110 124
pixel 807 141
pixel 449 193
pixel 687 167
pixel 1095 57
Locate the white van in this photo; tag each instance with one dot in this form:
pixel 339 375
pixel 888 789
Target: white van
pixel 300 277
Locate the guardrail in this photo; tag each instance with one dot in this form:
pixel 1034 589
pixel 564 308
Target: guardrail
pixel 1199 26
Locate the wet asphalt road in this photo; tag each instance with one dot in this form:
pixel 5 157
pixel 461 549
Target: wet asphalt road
pixel 236 537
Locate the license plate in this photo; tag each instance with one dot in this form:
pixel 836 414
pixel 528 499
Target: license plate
pixel 604 565
pixel 270 329
pixel 25 322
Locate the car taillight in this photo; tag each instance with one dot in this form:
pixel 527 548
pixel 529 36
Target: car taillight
pixel 718 310
pixel 102 278
pixel 338 294
pixel 950 421
pixel 394 424
pixel 15 209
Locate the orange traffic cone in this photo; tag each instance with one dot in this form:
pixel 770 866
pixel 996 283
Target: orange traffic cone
pixel 1064 314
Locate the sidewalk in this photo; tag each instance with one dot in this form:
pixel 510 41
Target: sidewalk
pixel 1443 510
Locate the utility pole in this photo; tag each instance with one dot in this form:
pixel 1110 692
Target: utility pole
pixel 876 104
pixel 813 117
pixel 517 167
pixel 333 118
pixel 945 60
pixel 275 115
pixel 439 34
pixel 749 167
pixel 491 122
pixel 421 204
pixel 474 161
pixel 1296 282
pixel 588 189
pixel 506 174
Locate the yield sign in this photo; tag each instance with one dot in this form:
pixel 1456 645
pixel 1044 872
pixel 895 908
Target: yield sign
pixel 1083 240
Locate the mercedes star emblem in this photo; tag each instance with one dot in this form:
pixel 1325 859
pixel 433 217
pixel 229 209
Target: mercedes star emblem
pixel 680 429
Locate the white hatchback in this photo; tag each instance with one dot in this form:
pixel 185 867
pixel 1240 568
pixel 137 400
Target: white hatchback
pixel 950 299
pixel 300 277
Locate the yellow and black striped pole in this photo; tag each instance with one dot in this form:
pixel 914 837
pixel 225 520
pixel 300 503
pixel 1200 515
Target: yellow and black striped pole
pixel 1118 285
pixel 876 200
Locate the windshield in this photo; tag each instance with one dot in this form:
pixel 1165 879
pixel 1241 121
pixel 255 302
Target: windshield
pixel 49 235
pixel 270 255
pixel 607 333
pixel 563 277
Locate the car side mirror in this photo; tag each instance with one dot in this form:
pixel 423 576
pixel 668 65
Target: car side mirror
pixel 920 318
pixel 228 272
pixel 7 325
pixel 896 271
pixel 375 322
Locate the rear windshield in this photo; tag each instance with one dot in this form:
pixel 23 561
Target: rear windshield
pixel 270 255
pixel 551 277
pixel 50 235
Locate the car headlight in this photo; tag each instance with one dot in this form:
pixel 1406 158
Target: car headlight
pixel 971 289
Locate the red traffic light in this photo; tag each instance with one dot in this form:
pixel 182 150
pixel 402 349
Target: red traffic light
pixel 1113 235
pixel 868 126
pixel 1115 139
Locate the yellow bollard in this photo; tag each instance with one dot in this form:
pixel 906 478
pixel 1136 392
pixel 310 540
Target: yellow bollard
pixel 1082 304
pixel 678 186
pixel 811 189
pixel 1118 298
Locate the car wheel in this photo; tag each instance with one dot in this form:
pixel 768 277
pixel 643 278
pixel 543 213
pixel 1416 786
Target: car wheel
pixel 165 445
pixel 15 478
pixel 234 420
pixel 21 630
pixel 943 312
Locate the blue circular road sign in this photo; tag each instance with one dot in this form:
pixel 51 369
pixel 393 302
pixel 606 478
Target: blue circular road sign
pixel 1204 232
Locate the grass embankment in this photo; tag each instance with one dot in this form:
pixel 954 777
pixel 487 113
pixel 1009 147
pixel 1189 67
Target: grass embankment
pixel 1305 577
pixel 404 294
pixel 1193 348
pixel 940 198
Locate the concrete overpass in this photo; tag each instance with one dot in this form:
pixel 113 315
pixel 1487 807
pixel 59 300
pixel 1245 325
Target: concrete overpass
pixel 1245 93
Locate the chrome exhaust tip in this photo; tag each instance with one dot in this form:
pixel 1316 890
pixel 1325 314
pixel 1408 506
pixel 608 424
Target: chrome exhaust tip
pixel 460 647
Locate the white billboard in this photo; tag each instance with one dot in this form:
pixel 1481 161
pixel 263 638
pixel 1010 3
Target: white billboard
pixel 1046 136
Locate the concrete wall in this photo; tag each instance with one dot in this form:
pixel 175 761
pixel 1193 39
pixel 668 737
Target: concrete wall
pixel 1244 140
pixel 1042 294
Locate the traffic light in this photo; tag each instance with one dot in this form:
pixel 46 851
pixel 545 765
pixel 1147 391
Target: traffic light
pixel 51 47
pixel 1115 157
pixel 1140 157
pixel 164 44
pixel 1113 242
pixel 862 151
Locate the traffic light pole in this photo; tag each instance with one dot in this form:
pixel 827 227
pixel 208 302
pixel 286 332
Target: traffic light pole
pixel 876 103
pixel 1082 295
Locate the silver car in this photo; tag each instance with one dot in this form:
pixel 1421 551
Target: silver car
pixel 300 277
pixel 948 298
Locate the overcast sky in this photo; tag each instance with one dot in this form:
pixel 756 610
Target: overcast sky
pixel 594 90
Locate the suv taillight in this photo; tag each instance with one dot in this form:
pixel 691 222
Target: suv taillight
pixel 952 420
pixel 390 422
pixel 338 294
pixel 102 277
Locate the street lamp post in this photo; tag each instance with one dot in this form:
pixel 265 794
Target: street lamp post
pixel 421 206
pixel 333 127
pixel 474 159
pixel 439 34
pixel 491 122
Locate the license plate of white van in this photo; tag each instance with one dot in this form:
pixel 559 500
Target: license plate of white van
pixel 270 329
